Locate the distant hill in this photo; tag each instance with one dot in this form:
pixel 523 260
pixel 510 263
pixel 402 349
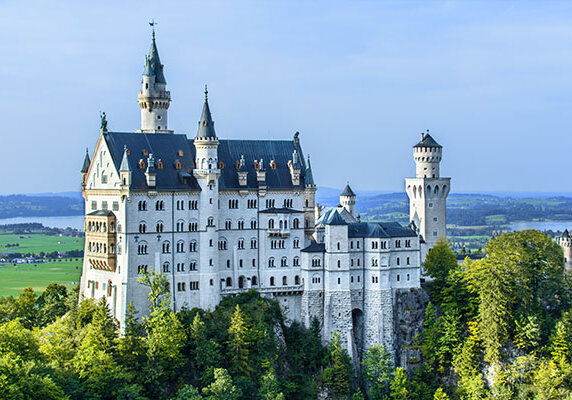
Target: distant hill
pixel 43 205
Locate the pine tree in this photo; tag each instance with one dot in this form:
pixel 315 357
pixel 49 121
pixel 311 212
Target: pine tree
pixel 440 395
pixel 239 344
pixel 269 387
pixel 376 371
pixel 337 376
pixel 222 388
pixel 562 339
pixel 398 385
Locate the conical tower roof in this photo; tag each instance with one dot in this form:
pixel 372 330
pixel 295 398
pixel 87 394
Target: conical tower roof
pixel 206 124
pixel 348 191
pixel 124 161
pixel 86 162
pixel 153 64
pixel 309 178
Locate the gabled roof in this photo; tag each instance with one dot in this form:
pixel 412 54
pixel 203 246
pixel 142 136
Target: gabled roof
pixel 86 162
pixel 153 64
pixel 427 141
pixel 166 147
pixel 348 191
pixel 334 218
pixel 327 213
pixel 565 234
pixel 102 213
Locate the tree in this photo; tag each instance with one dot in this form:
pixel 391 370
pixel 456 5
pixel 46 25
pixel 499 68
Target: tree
pixel 336 376
pixel 440 395
pixel 239 344
pixel 269 387
pixel 560 347
pixel 222 387
pixel 188 392
pixel 440 261
pixel 376 371
pixel 468 366
pixel 398 385
pixel 52 304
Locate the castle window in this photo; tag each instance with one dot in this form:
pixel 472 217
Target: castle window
pixel 296 223
pixel 177 164
pixel 193 266
pixel 254 262
pixel 352 279
pixel 272 281
pixel 104 205
pixel 271 262
pixel 233 203
pixel 253 224
pixel 193 285
pixel 142 206
pixel 408 276
pixel 296 243
pixel 358 278
pixel 397 244
pixel 141 269
pixel 165 267
pixel 228 224
pixel 296 261
pixel 338 245
pixel 193 204
pixel 210 221
pixel 159 227
pixel 398 260
pixel 181 286
pixel 241 244
pixel 212 282
pixel 251 203
pixel 407 261
pixel 211 243
pixel 284 281
pixel 115 206
pixel 193 227
pixel 142 227
pixel 180 153
pixel 159 205
pixel 228 263
pixel 94 205
pixel 211 262
pixel 254 280
pixel 271 224
pixel 141 164
pixel 398 277
pixel 408 243
pixel 166 247
pixel 241 224
pixel 253 243
pixel 435 234
pixel 296 280
pixel 357 244
pixel 158 117
pixel 284 262
pixel 145 152
pixel 222 244
pixel 180 247
pixel 339 264
pixel 339 281
pixel 430 204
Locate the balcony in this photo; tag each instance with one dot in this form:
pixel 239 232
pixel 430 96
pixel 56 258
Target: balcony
pixel 276 232
pixel 294 289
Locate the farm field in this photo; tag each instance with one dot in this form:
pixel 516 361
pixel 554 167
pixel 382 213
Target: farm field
pixel 37 242
pixel 13 279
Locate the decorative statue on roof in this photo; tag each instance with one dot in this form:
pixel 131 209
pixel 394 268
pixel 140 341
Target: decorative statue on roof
pixel 103 122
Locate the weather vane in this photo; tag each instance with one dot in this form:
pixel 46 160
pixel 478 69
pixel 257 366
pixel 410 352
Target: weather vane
pixel 152 25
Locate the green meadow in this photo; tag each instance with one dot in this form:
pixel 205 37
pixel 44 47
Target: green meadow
pixel 37 242
pixel 14 278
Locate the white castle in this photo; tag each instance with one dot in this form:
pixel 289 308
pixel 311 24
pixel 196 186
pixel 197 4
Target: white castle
pixel 218 217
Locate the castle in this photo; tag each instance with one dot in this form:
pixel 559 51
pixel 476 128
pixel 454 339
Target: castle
pixel 218 217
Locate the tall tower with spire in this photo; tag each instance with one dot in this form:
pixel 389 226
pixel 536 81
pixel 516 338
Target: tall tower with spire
pixel 428 192
pixel 154 98
pixel 207 173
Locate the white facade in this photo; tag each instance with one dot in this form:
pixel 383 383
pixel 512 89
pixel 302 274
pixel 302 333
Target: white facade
pixel 218 217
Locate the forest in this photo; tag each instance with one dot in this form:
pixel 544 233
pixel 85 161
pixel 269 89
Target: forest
pixel 496 328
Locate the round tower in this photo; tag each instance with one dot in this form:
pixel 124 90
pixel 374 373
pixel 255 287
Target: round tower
pixel 348 199
pixel 427 155
pixel 154 98
pixel 207 173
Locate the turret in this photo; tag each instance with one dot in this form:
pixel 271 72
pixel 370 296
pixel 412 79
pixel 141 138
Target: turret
pixel 427 155
pixel 348 199
pixel 154 98
pixel 85 169
pixel 125 170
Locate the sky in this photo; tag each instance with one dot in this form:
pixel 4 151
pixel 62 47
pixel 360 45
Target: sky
pixel 359 80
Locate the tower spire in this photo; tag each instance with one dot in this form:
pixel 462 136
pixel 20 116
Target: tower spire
pixel 206 124
pixel 154 98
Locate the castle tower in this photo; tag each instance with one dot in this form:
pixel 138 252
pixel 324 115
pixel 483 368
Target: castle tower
pixel 154 98
pixel 348 199
pixel 565 241
pixel 428 192
pixel 309 201
pixel 207 173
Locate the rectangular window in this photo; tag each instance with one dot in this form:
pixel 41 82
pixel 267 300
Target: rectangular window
pixel 435 219
pixel 115 206
pixel 434 233
pixel 94 205
pixel 104 205
pixel 194 285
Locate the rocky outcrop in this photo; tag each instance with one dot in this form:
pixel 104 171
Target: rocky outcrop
pixel 409 312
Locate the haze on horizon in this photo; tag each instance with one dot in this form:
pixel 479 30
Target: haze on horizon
pixel 359 81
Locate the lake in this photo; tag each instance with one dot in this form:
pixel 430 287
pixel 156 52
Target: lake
pixel 541 225
pixel 71 221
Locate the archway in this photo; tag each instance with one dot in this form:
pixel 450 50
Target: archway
pixel 357 324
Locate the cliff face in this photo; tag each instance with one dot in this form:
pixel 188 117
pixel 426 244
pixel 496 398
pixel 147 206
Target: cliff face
pixel 409 312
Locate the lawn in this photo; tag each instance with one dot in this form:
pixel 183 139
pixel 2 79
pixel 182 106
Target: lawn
pixel 35 243
pixel 15 278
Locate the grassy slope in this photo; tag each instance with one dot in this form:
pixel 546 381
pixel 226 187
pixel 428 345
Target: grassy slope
pixel 15 278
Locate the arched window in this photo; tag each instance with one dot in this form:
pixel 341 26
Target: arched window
pixel 272 281
pixel 284 262
pixel 296 261
pixel 228 282
pixel 159 227
pixel 284 281
pixel 296 280
pixel 271 262
pixel 296 223
pixel 142 227
pixel 165 267
pixel 254 280
pixel 210 221
pixel 270 223
pixel 166 247
pixel 180 246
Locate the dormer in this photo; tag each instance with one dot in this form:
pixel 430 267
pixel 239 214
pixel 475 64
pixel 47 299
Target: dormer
pixel 151 173
pixel 125 170
pixel 295 168
pixel 260 171
pixel 242 172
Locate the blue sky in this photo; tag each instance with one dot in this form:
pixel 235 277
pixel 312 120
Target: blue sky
pixel 359 80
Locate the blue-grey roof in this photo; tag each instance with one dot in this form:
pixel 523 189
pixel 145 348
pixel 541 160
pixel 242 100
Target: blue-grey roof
pixel 86 162
pixel 281 211
pixel 206 124
pixel 348 191
pixel 379 230
pixel 334 219
pixel 165 147
pixel 153 64
pixel 102 213
pixel 309 175
pixel 427 141
pixel 328 212
pixel 315 248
